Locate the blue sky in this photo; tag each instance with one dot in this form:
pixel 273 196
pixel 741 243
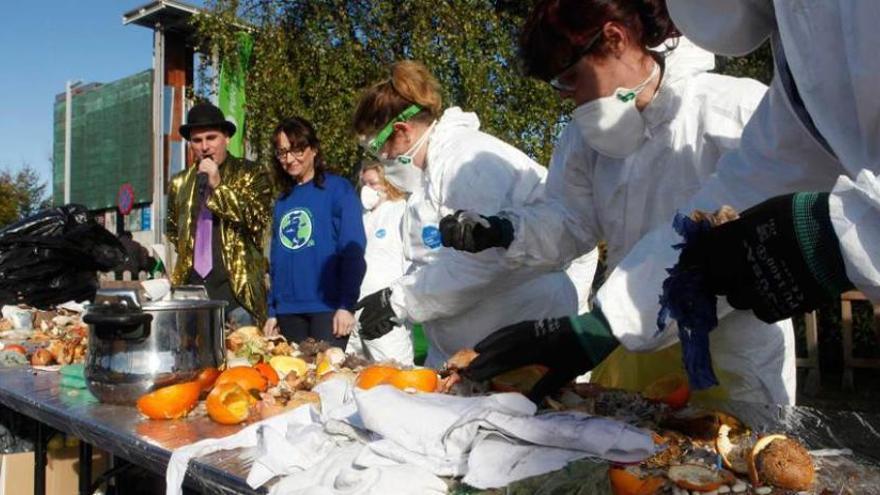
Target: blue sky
pixel 44 43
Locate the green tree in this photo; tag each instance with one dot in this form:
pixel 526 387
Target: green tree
pixel 313 59
pixel 757 65
pixel 34 196
pixel 22 194
pixel 8 201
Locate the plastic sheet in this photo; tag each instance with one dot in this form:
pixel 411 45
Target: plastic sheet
pixel 54 256
pixel 849 461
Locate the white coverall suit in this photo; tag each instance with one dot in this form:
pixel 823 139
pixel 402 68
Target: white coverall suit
pixel 462 297
pixel 385 264
pixel 820 126
pixel 815 130
pixel 694 119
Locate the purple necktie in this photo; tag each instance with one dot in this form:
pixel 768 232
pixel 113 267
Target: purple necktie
pixel 202 261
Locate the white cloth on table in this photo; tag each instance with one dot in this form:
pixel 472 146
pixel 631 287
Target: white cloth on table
pixel 384 440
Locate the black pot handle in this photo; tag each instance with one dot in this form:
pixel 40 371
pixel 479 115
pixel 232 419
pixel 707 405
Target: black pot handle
pixel 127 326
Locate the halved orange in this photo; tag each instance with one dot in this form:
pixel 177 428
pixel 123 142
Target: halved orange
pixel 246 377
pixel 268 373
pixel 229 403
pixel 374 375
pixel 625 482
pixel 207 377
pixel 171 402
pixel 421 379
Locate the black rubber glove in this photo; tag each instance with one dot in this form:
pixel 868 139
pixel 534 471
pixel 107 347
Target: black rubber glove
pixel 780 258
pixel 568 346
pixel 377 318
pixel 468 231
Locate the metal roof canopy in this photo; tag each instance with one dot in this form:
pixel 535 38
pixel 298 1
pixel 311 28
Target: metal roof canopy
pixel 172 16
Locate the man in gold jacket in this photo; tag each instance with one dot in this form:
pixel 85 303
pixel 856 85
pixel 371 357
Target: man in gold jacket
pixel 218 210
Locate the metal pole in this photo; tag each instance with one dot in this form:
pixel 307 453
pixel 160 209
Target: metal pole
pixel 157 206
pixel 68 117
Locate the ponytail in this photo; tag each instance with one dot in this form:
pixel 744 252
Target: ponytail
pixel 410 83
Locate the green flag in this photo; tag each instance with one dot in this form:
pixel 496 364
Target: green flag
pixel 232 94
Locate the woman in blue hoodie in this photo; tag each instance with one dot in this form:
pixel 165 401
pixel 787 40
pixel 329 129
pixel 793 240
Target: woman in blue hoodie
pixel 317 252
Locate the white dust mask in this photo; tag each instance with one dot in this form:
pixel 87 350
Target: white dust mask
pixel 370 197
pixel 612 125
pixel 400 171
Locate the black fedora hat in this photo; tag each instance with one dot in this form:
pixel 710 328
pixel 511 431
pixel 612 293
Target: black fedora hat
pixel 204 115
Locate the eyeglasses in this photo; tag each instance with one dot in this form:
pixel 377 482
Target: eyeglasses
pixel 562 80
pixel 297 154
pixel 374 144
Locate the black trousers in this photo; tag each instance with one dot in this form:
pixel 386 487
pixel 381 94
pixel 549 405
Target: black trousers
pixel 319 326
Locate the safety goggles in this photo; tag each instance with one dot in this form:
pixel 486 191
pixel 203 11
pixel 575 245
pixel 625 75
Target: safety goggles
pixel 374 144
pixel 565 81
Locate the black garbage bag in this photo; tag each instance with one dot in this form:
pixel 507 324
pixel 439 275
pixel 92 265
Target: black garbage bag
pixel 54 256
pixel 48 223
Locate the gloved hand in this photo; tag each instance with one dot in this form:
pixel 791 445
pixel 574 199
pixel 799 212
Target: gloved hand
pixel 471 232
pixel 780 258
pixel 376 319
pixel 568 346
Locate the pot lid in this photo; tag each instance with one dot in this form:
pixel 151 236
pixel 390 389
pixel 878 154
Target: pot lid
pixel 182 297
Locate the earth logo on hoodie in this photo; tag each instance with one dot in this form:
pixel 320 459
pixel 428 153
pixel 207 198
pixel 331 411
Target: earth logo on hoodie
pixel 295 229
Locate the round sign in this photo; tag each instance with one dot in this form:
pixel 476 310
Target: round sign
pixel 125 199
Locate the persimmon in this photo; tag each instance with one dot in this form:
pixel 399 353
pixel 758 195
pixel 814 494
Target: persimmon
pixel 268 373
pixel 672 390
pixel 421 379
pixel 207 377
pixel 374 375
pixel 246 377
pixel 229 403
pixel 171 402
pixel 624 482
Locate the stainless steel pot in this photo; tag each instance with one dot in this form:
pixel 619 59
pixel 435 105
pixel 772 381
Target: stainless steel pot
pixel 137 346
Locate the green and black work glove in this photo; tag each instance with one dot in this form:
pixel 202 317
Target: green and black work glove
pixel 568 346
pixel 472 232
pixel 779 258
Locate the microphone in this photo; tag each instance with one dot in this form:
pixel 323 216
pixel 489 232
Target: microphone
pixel 202 183
pixel 202 180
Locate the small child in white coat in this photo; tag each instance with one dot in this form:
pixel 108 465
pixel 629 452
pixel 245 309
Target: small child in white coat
pixel 384 207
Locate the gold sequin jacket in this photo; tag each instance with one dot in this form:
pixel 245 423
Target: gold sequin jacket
pixel 242 203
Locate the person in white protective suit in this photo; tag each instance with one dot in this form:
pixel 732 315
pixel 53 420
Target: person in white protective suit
pixel 384 207
pixel 624 166
pixel 815 130
pixel 446 164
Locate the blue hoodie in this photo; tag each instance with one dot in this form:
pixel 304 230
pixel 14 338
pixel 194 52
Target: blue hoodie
pixel 317 252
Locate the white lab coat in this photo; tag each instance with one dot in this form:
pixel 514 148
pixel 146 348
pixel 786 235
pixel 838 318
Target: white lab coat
pixel 831 49
pixel 385 264
pixel 693 120
pixel 462 297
